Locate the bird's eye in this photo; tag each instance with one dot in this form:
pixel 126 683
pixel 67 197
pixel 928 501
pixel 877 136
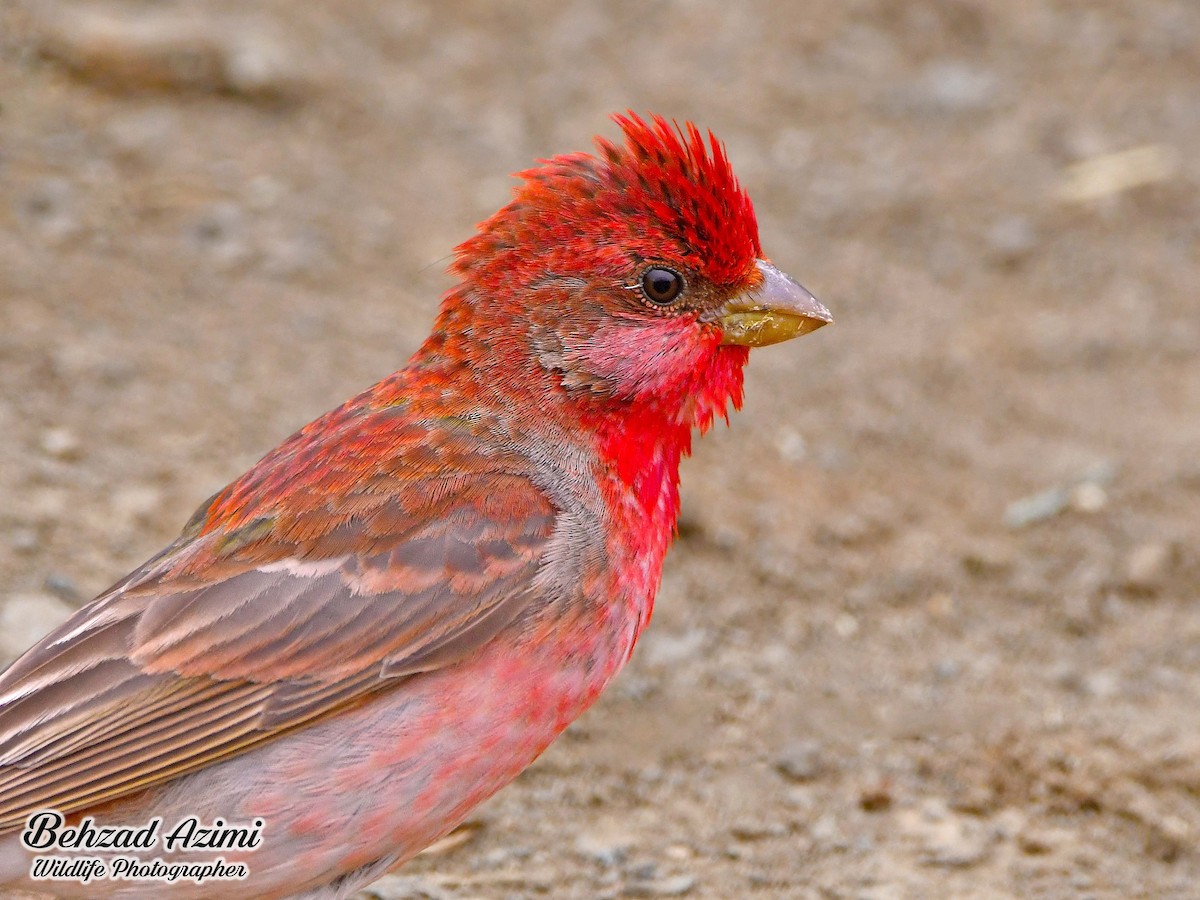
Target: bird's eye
pixel 661 286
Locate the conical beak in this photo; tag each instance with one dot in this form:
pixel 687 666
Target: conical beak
pixel 774 309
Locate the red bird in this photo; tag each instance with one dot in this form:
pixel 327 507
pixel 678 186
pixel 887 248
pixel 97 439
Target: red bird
pixel 400 607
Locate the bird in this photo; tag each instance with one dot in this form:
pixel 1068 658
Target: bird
pixel 397 610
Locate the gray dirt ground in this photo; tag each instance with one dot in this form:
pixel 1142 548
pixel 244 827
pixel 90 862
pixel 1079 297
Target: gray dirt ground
pixel 869 675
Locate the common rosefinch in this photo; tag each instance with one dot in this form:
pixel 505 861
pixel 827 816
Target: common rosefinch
pixel 399 608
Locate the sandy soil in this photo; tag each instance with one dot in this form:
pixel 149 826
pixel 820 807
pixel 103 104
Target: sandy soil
pixel 931 627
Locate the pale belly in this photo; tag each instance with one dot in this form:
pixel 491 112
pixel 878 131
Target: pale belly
pixel 351 796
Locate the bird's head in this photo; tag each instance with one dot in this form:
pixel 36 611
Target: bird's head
pixel 630 277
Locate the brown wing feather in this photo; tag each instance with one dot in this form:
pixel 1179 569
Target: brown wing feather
pixel 169 671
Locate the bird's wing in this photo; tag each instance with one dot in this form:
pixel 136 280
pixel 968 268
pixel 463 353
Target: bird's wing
pixel 230 638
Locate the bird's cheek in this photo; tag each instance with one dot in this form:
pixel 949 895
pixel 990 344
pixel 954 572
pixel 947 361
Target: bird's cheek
pixel 643 360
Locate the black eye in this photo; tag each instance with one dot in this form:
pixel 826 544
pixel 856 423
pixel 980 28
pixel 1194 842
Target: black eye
pixel 661 286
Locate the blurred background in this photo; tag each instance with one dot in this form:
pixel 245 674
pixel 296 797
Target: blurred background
pixel 930 629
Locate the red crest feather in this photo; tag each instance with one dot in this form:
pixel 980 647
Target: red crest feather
pixel 665 193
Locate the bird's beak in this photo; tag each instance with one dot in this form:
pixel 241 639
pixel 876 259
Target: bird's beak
pixel 774 309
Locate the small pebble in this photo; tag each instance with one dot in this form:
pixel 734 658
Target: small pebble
pixel 791 445
pixel 801 762
pixel 62 586
pixel 143 135
pixel 1089 497
pixel 1011 239
pixel 826 831
pixel 1036 507
pixel 60 443
pixel 264 192
pixel 757 831
pixel 220 232
pixel 1043 841
pixel 50 210
pixel 1102 684
pixel 948 839
pixel 644 871
pixel 1148 566
pixel 675 886
pixel 876 798
pixel 609 848
pixel 952 87
pixel 947 669
pixel 24 540
pixel 986 559
pixel 845 626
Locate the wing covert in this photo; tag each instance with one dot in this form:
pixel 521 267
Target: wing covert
pixel 169 670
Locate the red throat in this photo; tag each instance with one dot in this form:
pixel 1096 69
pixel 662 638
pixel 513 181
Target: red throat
pixel 647 441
